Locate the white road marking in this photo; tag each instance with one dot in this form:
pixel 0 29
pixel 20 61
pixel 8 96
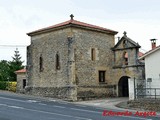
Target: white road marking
pixel 12 99
pixel 86 110
pixel 17 107
pixel 45 112
pixel 32 101
pixel 58 114
pixel 3 104
pixel 58 106
pixel 52 100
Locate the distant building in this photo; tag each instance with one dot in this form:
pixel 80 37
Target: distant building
pixel 74 60
pixel 21 80
pixel 152 69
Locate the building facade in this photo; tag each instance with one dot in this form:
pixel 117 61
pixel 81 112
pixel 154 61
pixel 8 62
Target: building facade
pixel 21 80
pixel 75 60
pixel 152 70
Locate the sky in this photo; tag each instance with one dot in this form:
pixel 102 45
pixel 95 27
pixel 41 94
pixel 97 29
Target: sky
pixel 139 18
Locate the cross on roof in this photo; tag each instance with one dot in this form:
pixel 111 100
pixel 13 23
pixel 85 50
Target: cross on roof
pixel 125 33
pixel 71 16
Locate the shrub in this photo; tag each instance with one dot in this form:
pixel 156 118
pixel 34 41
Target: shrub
pixel 3 85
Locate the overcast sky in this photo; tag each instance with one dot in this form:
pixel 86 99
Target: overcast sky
pixel 139 18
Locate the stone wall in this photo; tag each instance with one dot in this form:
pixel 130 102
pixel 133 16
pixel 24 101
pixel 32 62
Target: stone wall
pixel 94 92
pixel 67 92
pixel 76 66
pixel 86 69
pixel 20 77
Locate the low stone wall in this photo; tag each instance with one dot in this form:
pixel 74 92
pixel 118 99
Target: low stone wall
pixel 95 92
pixel 73 93
pixel 145 104
pixel 67 93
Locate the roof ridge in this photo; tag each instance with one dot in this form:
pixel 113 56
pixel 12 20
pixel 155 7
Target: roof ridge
pixel 76 22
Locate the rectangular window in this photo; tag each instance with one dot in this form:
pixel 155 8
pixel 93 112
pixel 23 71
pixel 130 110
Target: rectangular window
pixel 102 76
pixel 24 83
pixel 93 54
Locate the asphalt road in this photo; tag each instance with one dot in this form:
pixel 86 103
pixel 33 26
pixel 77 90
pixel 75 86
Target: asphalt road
pixel 17 107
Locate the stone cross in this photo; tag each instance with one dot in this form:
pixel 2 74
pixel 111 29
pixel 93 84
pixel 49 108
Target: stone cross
pixel 125 33
pixel 71 16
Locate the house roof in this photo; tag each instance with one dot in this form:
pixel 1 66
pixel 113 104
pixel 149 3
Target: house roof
pixel 150 52
pixel 21 71
pixel 74 23
pixel 139 54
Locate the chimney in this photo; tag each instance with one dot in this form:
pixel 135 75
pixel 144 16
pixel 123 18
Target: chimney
pixel 153 43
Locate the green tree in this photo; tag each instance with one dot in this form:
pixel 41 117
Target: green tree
pixel 4 70
pixel 15 64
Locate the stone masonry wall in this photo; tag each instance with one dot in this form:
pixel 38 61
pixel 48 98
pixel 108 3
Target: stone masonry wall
pixel 87 70
pixel 76 67
pixel 20 77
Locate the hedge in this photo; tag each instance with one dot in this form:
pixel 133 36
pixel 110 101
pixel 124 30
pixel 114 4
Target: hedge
pixel 5 85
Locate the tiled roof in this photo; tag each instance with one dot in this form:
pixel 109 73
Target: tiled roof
pixel 150 52
pixel 72 22
pixel 21 71
pixel 139 54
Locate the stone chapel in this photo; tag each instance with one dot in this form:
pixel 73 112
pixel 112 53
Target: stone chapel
pixel 74 61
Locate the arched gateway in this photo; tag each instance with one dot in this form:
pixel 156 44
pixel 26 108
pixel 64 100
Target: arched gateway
pixel 123 89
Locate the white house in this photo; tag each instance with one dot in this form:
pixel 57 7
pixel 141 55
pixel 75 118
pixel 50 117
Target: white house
pixel 152 69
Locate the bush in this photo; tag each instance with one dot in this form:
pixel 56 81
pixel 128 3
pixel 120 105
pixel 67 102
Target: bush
pixel 5 85
pixel 12 86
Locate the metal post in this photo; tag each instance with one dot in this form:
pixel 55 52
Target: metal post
pixel 134 90
pixel 155 93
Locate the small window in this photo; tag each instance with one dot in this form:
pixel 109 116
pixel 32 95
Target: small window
pixel 93 54
pixel 124 43
pixel 102 76
pixel 57 62
pixel 24 83
pixel 41 64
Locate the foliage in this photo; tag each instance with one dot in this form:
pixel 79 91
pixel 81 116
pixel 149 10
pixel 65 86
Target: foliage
pixel 4 70
pixel 14 65
pixel 5 85
pixel 7 68
pixel 11 86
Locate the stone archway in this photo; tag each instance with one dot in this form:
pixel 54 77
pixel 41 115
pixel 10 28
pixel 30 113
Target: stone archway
pixel 123 89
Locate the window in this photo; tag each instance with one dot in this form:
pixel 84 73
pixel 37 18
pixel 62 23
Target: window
pixel 124 43
pixel 93 54
pixel 125 58
pixel 57 62
pixel 24 83
pixel 40 63
pixel 102 76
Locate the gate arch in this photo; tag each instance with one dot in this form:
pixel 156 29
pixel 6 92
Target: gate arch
pixel 123 88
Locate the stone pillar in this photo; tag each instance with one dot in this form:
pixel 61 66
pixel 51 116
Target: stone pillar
pixel 131 88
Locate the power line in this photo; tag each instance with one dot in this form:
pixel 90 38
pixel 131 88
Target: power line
pixel 13 45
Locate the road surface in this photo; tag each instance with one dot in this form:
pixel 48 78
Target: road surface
pixel 17 107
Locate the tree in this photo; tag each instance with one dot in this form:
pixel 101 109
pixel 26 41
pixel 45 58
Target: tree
pixel 14 65
pixel 4 70
pixel 7 68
